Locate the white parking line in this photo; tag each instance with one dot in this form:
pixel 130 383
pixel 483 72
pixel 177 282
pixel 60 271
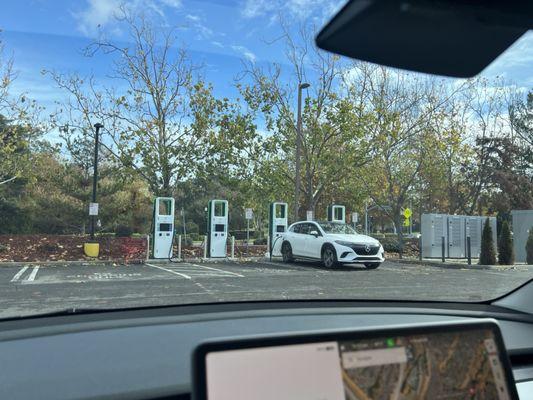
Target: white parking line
pixel 33 273
pixel 19 274
pixel 219 270
pixel 168 270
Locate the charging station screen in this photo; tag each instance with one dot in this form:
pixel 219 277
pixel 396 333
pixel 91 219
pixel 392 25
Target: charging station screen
pixel 280 228
pixel 165 227
pixel 219 228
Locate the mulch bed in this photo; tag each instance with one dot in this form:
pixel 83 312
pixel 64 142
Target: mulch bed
pixel 68 248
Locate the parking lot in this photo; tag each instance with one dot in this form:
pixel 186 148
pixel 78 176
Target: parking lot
pixel 37 288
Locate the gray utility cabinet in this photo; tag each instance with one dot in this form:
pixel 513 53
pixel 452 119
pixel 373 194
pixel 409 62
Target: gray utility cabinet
pixel 522 223
pixel 455 229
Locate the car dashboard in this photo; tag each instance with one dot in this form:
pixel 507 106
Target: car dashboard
pixel 146 353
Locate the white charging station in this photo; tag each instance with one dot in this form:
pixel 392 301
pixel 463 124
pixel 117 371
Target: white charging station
pixel 277 225
pixel 163 227
pixel 336 213
pixel 217 228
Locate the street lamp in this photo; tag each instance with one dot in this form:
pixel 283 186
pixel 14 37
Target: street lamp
pixel 301 86
pixel 97 127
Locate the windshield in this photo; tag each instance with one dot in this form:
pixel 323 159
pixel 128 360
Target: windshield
pixel 337 227
pixel 155 152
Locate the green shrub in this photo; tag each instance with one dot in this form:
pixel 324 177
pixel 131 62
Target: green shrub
pixel 4 248
pixel 529 247
pixel 123 231
pixel 390 245
pixel 488 253
pixel 186 241
pixel 505 246
pixel 262 241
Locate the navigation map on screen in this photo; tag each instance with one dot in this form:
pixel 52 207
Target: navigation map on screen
pixel 450 365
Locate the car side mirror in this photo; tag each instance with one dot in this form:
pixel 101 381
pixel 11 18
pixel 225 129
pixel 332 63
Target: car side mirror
pixel 314 233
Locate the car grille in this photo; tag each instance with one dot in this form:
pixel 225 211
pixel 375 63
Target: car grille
pixel 365 250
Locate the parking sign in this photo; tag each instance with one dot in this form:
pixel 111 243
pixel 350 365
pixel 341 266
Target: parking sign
pixel 249 214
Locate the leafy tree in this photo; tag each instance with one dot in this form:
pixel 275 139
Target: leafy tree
pixel 332 137
pixel 505 246
pixel 529 247
pixel 161 119
pixel 487 255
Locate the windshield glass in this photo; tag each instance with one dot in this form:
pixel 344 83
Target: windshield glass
pixel 155 152
pixel 337 227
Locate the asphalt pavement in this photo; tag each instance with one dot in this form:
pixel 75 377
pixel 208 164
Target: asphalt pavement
pixel 38 288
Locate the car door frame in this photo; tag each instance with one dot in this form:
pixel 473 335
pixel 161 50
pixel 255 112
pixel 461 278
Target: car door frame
pixel 313 245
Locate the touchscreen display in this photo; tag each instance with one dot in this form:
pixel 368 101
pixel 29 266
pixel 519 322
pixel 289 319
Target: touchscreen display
pixel 463 364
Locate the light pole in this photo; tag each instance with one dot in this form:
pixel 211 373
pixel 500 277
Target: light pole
pixel 97 127
pixel 301 86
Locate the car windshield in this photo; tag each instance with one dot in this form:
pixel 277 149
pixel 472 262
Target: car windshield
pixel 156 152
pixel 337 227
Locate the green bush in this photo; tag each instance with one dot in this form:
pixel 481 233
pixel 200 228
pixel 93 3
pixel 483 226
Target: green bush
pixel 529 247
pixel 186 241
pixel 390 245
pixel 488 253
pixel 262 241
pixel 505 246
pixel 123 231
pixel 4 248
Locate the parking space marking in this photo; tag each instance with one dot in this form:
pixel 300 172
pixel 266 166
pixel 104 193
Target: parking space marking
pixel 33 274
pixel 219 270
pixel 168 270
pixel 19 274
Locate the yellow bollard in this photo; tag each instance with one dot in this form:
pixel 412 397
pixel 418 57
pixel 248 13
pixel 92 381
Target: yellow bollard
pixel 91 249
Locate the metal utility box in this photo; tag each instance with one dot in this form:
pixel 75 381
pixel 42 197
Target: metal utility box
pixel 473 228
pixel 433 228
pixel 455 229
pixel 522 223
pixel 456 236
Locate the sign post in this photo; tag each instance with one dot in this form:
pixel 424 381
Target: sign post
pixel 249 214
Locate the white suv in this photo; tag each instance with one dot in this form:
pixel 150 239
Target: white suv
pixel 331 242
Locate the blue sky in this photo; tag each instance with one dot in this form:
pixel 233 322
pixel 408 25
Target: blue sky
pixel 218 33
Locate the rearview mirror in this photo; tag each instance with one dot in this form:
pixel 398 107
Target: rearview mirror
pixel 314 233
pixel 447 37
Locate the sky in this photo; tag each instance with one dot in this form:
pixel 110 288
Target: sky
pixel 219 34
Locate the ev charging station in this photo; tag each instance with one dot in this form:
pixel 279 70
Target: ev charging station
pixel 217 228
pixel 163 227
pixel 336 213
pixel 277 225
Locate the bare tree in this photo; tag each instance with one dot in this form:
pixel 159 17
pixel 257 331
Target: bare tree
pixel 159 116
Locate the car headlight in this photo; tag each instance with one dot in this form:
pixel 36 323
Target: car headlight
pixel 344 243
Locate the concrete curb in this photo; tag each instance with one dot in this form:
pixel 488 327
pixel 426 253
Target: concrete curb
pixel 454 265
pixel 132 262
pixel 73 262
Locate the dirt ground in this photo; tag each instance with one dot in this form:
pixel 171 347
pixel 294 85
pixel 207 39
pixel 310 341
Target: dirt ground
pixel 68 248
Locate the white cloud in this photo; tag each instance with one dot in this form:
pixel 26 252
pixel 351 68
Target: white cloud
pixel 245 52
pixel 102 13
pixel 295 8
pixel 98 13
pixel 191 17
pixel 217 44
pixel 172 3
